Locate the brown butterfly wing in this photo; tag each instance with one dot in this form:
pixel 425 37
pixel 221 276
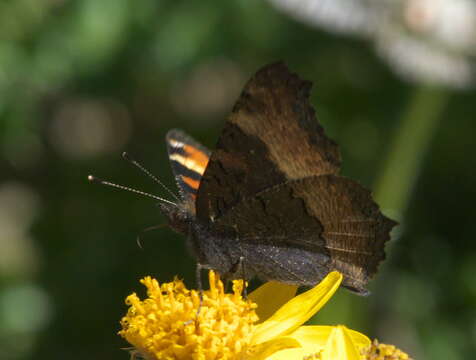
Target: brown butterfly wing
pixel 272 185
pixel 272 136
pixel 331 219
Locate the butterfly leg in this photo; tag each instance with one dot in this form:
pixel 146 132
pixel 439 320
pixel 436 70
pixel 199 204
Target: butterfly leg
pixel 239 268
pixel 198 276
pixel 241 264
pixel 134 354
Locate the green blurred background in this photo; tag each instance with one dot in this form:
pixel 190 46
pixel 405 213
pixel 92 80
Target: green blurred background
pixel 82 81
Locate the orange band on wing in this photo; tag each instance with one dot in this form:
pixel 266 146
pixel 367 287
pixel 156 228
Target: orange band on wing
pixel 191 182
pixel 198 157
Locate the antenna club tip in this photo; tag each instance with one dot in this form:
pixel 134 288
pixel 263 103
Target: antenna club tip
pixel 93 179
pixel 126 155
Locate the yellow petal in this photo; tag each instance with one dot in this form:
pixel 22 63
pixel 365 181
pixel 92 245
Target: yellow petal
pixel 288 354
pixel 298 310
pixel 265 350
pixel 270 297
pixel 340 346
pixel 314 338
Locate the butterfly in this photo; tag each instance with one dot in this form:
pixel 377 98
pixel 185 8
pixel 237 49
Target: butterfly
pixel 268 201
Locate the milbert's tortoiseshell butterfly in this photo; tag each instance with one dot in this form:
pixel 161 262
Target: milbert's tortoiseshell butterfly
pixel 269 200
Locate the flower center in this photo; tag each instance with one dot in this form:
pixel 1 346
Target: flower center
pixel 165 325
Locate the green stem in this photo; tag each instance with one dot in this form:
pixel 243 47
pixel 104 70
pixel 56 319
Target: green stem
pixel 418 125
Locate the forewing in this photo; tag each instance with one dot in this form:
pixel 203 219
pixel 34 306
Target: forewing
pixel 272 136
pixel 330 216
pixel 189 160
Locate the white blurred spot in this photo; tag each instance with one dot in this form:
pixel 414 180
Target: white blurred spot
pixel 429 41
pixel 343 16
pixel 210 89
pixel 451 22
pixel 86 127
pixel 418 61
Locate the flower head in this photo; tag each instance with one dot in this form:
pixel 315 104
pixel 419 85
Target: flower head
pixel 172 324
pixel 166 325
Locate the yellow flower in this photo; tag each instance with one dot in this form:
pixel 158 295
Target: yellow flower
pixel 380 351
pixel 165 326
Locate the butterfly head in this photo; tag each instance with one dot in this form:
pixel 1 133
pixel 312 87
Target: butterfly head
pixel 178 217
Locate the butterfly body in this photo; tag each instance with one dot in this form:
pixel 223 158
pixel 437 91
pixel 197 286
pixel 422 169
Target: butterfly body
pixel 268 201
pixel 212 251
pixel 236 258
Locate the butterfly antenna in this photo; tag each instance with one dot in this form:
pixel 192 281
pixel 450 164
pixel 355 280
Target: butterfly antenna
pixel 134 162
pixel 96 180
